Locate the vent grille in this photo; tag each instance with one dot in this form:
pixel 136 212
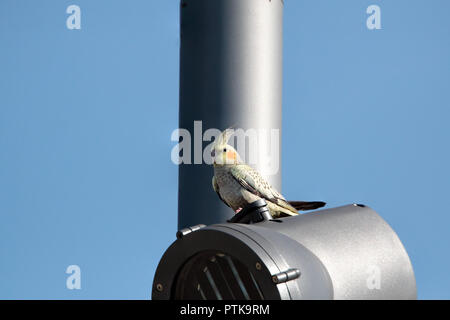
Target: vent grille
pixel 216 276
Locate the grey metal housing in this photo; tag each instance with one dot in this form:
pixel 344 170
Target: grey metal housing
pixel 327 254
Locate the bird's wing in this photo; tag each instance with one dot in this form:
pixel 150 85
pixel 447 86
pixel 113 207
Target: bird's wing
pixel 216 189
pixel 252 181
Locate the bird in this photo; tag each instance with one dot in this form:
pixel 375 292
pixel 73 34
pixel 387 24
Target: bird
pixel 238 184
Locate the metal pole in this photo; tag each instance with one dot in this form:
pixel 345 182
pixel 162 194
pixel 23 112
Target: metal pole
pixel 230 75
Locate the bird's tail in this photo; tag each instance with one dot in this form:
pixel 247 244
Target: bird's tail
pixel 307 205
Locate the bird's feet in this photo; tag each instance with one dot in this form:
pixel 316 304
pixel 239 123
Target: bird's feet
pixel 238 210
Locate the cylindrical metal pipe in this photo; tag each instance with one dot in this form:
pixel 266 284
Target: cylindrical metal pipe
pixel 230 75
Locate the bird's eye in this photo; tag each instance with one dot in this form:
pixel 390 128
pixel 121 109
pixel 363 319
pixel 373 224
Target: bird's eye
pixel 213 153
pixel 225 150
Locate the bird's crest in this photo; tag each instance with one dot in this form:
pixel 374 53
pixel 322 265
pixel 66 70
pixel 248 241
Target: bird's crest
pixel 222 139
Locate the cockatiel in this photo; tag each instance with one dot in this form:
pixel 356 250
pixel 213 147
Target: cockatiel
pixel 238 184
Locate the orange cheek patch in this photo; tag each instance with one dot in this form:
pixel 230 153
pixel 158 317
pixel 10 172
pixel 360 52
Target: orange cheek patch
pixel 231 155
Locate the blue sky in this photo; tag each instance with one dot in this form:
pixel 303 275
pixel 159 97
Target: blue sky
pixel 86 118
